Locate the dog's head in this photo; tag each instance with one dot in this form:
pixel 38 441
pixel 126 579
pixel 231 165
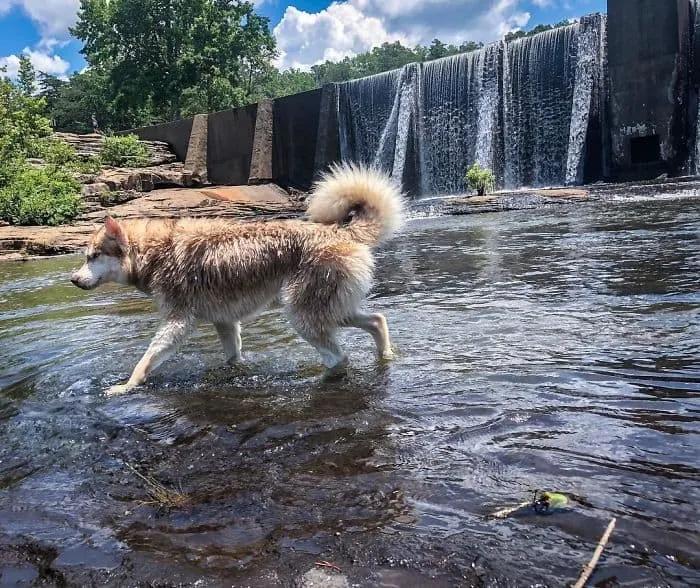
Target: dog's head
pixel 105 256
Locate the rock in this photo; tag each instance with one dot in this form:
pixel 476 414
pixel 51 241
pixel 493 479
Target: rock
pixel 89 145
pixel 143 179
pixel 94 189
pixel 319 578
pixel 245 202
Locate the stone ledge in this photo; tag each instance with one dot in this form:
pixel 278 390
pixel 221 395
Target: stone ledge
pixel 243 202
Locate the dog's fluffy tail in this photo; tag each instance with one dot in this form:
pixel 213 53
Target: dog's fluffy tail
pixel 363 200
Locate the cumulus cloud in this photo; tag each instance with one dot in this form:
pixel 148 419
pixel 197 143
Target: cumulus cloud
pixel 340 30
pixel 349 27
pixel 52 17
pixel 42 62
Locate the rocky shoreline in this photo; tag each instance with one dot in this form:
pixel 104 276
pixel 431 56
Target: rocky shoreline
pixel 166 189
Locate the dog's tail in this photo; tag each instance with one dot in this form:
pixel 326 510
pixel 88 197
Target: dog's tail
pixel 363 200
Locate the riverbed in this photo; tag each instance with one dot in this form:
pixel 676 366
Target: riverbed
pixel 552 349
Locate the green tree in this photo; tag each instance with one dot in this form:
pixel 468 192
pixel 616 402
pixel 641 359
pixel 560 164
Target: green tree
pixel 26 76
pixel 22 123
pixel 30 195
pixel 158 54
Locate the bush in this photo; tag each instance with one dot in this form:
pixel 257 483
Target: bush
pixel 61 154
pixel 480 179
pixel 39 196
pixel 124 151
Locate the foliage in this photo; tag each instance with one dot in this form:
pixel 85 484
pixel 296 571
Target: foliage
pixel 538 29
pixel 63 155
pixel 39 196
pixel 26 76
pixel 272 83
pixel 22 122
pixel 125 150
pixel 384 58
pixel 157 53
pixel 480 179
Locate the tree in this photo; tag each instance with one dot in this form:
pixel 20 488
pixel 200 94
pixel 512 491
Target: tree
pixel 26 76
pixel 159 54
pixel 519 34
pixel 22 122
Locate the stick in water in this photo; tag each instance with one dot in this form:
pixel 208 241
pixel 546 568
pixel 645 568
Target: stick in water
pixel 588 570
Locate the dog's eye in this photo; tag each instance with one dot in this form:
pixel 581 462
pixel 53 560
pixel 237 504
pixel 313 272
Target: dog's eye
pixel 93 256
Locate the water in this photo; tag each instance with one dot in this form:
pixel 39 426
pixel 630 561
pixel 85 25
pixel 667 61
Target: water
pixel 554 349
pixel 531 110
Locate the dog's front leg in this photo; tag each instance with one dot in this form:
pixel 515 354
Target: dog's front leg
pixel 230 335
pixel 165 343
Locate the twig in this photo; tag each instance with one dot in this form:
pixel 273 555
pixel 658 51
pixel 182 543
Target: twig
pixel 327 564
pixel 588 570
pixel 162 496
pixel 504 512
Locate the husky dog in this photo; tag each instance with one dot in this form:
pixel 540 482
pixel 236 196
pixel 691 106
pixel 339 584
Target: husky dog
pixel 224 271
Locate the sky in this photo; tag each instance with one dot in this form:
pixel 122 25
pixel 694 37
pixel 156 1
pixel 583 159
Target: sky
pixel 307 31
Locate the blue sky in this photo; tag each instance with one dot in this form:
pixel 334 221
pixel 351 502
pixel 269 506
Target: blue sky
pixel 307 31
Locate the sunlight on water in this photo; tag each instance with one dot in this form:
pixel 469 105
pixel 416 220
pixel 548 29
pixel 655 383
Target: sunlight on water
pixel 555 349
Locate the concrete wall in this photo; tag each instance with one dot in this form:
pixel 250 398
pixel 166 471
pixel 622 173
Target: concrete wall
pixel 230 145
pixel 176 133
pixel 284 140
pixel 647 60
pixel 294 135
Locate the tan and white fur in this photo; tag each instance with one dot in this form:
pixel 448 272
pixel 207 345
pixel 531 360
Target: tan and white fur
pixel 223 271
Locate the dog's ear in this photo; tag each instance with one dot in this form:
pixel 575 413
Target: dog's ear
pixel 114 230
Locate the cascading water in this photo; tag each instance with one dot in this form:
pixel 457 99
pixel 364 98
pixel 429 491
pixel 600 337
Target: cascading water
pixel 460 118
pixel 377 118
pixel 694 60
pixel 550 87
pixel 525 109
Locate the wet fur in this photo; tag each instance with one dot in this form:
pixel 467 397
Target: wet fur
pixel 223 272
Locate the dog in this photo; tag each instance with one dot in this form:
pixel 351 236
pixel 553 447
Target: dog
pixel 223 271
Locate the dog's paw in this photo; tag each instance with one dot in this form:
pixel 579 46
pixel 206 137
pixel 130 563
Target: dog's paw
pixel 387 355
pixel 118 390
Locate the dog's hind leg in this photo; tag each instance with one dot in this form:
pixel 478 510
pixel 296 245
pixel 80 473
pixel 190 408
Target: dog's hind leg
pixel 164 344
pixel 230 335
pixel 376 325
pixel 327 346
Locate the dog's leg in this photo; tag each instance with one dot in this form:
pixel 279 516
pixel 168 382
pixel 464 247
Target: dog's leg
pixel 332 355
pixel 164 344
pixel 375 325
pixel 230 335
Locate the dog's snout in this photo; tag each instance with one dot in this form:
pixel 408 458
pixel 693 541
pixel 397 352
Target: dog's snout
pixel 74 279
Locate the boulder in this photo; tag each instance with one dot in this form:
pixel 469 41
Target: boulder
pixel 90 145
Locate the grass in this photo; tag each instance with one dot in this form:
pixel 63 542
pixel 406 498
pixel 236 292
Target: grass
pixel 161 495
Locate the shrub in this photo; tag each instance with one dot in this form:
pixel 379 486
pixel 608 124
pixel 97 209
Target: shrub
pixel 480 179
pixel 39 196
pixel 124 151
pixel 61 154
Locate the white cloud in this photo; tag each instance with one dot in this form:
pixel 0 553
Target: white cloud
pixel 42 62
pixel 349 27
pixel 53 17
pixel 340 30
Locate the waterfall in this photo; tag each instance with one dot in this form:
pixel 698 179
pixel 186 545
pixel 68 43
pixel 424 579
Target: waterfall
pixel 460 118
pixel 694 60
pixel 527 109
pixel 378 117
pixel 548 83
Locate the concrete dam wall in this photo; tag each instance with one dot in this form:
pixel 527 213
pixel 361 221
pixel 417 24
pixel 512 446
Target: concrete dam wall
pixel 609 97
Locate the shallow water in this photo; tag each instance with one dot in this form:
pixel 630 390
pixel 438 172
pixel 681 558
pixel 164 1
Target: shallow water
pixel 554 349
